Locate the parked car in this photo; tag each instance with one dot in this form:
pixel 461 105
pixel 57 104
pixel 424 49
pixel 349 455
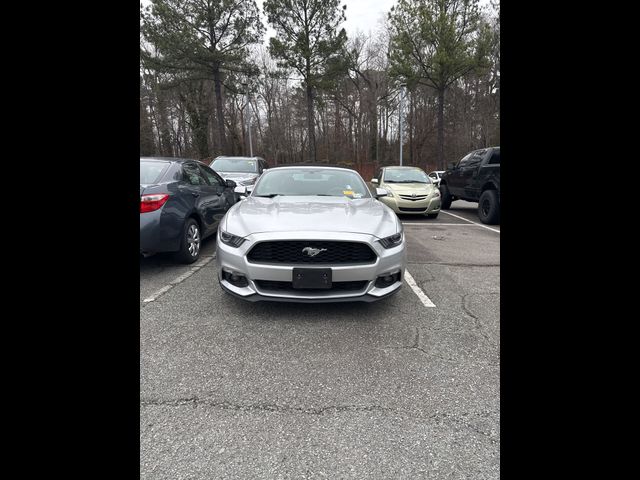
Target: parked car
pixel 181 203
pixel 242 170
pixel 435 176
pixel 475 178
pixel 311 234
pixel 410 189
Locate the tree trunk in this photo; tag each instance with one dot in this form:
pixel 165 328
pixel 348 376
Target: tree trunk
pixel 412 123
pixel 310 124
pixel 219 112
pixel 373 132
pixel 441 129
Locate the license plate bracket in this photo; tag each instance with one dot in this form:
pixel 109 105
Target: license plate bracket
pixel 316 278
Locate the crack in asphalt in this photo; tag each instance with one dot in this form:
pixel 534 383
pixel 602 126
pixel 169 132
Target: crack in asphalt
pixel 266 407
pixel 476 320
pixel 416 346
pixel 438 417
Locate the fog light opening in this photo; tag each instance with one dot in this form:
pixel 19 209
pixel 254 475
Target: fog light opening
pixel 386 280
pixel 235 278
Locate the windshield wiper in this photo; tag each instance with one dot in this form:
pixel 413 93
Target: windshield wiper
pixel 270 195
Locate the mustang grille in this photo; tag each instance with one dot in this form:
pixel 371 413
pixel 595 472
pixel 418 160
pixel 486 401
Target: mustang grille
pixel 291 252
pixel 335 286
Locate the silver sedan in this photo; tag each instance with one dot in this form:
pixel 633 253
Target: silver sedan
pixel 310 234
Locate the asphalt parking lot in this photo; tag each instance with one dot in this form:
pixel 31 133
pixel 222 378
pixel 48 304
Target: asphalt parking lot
pixel 404 388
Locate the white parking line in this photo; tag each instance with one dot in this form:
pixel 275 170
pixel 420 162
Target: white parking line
pixel 158 293
pixel 417 290
pixel 445 224
pixel 154 296
pixel 479 224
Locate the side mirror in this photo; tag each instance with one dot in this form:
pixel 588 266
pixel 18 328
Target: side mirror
pixel 381 192
pixel 242 190
pixel 231 184
pixel 374 180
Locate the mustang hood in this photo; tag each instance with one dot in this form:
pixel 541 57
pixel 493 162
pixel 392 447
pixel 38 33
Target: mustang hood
pixel 311 213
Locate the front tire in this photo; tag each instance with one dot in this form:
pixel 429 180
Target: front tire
pixel 445 201
pixel 489 207
pixel 191 242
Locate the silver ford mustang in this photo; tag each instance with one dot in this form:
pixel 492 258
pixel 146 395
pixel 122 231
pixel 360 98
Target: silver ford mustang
pixel 310 234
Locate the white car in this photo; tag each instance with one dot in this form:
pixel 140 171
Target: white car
pixel 435 176
pixel 242 170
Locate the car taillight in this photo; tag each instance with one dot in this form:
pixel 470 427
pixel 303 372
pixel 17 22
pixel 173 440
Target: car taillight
pixel 150 203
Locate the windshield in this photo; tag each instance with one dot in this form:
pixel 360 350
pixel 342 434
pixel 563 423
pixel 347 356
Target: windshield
pixel 405 175
pixel 244 165
pixel 150 172
pixel 311 181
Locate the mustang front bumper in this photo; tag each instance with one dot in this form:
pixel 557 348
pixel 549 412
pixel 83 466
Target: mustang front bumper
pixel 234 261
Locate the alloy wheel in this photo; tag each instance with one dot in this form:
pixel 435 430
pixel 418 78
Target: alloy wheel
pixel 193 240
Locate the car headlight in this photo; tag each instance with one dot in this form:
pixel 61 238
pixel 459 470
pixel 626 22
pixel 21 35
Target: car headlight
pixel 389 192
pixel 230 239
pixel 392 241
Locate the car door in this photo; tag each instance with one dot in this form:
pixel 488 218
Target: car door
pixel 220 197
pixel 469 174
pixel 454 176
pixel 196 185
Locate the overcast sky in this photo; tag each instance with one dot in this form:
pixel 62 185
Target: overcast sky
pixel 361 15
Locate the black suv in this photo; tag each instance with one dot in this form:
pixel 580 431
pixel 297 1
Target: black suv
pixel 475 178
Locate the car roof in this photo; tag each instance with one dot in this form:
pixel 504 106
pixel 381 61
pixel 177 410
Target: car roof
pixel 403 167
pixel 233 157
pixel 169 159
pixel 313 165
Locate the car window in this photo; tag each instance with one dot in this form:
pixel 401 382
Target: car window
pixel 465 160
pixel 237 164
pixel 433 175
pixel 192 174
pixel 476 158
pixel 150 171
pixel 213 177
pixel 495 157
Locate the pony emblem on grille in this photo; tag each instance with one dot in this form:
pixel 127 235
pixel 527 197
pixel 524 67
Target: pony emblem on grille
pixel 312 252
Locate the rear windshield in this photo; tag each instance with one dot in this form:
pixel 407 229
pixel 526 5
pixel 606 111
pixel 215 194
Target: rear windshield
pixel 244 165
pixel 151 172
